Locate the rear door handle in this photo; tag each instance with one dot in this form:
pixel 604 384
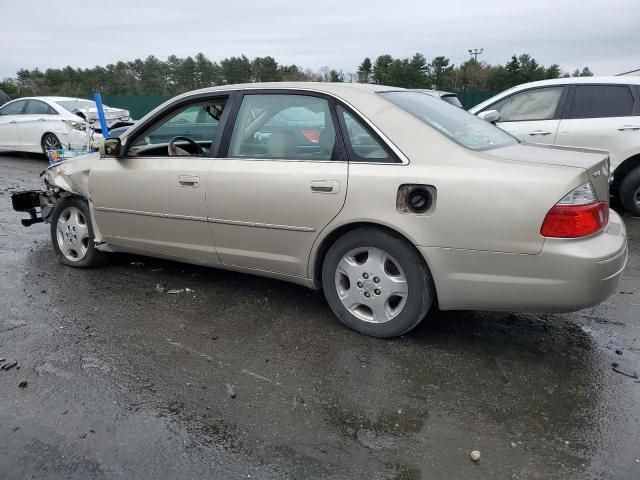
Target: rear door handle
pixel 188 181
pixel 629 127
pixel 325 186
pixel 13 121
pixel 42 119
pixel 540 132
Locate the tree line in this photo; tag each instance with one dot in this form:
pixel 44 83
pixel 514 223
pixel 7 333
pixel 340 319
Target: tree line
pixel 175 75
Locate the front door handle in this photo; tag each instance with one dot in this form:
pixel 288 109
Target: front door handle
pixel 325 186
pixel 540 132
pixel 188 181
pixel 629 127
pixel 13 121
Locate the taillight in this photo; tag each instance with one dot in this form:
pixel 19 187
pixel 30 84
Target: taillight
pixel 578 214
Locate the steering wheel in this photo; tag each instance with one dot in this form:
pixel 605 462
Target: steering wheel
pixel 174 150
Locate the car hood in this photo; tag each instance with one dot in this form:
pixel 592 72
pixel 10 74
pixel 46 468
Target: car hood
pixel 595 162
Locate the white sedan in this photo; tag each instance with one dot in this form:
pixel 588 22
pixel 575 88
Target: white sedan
pixel 38 124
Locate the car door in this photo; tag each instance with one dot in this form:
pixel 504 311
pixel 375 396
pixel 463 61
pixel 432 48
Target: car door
pixel 149 201
pixel 280 179
pixel 532 115
pixel 38 119
pixel 10 114
pixel 606 117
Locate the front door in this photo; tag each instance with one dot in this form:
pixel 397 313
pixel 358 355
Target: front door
pixel 281 181
pixel 38 119
pixel 532 115
pixel 152 199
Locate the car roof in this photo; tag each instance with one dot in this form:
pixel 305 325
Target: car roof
pixel 612 80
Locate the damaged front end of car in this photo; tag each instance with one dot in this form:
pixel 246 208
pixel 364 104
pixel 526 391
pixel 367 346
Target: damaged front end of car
pixel 61 180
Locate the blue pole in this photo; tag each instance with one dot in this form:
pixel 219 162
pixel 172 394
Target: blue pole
pixel 103 121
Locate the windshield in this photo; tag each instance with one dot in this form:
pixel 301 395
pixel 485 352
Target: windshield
pixel 76 104
pixel 460 126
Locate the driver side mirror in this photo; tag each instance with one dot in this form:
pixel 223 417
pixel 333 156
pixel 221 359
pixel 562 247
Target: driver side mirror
pixel 491 116
pixel 111 147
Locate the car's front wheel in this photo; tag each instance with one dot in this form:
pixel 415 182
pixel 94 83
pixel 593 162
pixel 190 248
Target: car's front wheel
pixel 72 234
pixel 377 283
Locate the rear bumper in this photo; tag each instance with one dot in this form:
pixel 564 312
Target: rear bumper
pixel 568 275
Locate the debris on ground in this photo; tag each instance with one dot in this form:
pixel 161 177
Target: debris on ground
pixel 137 264
pixel 615 367
pixel 156 270
pixel 475 455
pixel 9 366
pixel 23 384
pixel 159 288
pixel 230 391
pixel 618 352
pixel 175 291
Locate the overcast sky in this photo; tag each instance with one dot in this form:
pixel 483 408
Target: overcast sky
pixel 601 34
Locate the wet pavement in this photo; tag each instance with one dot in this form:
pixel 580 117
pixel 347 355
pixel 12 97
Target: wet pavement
pixel 124 381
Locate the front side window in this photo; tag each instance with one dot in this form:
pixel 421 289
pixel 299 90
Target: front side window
pixel 363 145
pixel 460 126
pixel 283 126
pixel 537 104
pixel 597 101
pixel 197 122
pixel 35 107
pixel 13 108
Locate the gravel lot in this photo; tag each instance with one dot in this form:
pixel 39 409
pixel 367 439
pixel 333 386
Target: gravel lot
pixel 127 382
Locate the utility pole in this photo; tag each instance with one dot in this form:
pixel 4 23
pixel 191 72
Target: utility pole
pixel 475 52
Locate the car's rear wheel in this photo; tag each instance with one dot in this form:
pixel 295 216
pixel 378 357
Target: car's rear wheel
pixel 72 234
pixel 630 192
pixel 377 283
pixel 50 142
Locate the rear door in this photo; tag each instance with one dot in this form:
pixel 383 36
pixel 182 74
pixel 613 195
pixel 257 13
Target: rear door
pixel 532 115
pixel 149 201
pixel 38 118
pixel 10 113
pixel 281 179
pixel 605 117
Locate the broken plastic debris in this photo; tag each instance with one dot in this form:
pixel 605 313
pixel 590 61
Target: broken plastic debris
pixel 475 455
pixel 230 391
pixel 137 264
pixel 159 288
pixel 174 291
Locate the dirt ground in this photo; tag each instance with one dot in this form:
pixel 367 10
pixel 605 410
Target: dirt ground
pixel 126 382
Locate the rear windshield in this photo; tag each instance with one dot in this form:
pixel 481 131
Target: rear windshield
pixel 460 126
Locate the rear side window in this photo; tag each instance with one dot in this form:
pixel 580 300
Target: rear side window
pixel 35 107
pixel 362 144
pixel 597 101
pixel 537 104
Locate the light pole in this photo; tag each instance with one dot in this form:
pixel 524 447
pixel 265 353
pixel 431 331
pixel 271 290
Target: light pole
pixel 475 52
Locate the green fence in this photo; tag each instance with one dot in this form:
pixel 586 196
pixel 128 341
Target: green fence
pixel 139 106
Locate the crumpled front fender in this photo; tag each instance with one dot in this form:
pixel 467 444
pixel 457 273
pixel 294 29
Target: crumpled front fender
pixel 72 175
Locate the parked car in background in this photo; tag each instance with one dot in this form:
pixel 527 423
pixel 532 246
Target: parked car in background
pixel 4 98
pixel 38 124
pixel 448 97
pixel 401 199
pixel 592 112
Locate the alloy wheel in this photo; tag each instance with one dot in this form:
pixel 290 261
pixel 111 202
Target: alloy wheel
pixel 371 284
pixel 72 233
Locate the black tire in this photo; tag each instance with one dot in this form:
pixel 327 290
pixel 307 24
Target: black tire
pixel 49 142
pixel 92 257
pixel 421 291
pixel 630 192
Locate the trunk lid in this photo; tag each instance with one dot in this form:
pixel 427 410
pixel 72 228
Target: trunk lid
pixel 594 162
